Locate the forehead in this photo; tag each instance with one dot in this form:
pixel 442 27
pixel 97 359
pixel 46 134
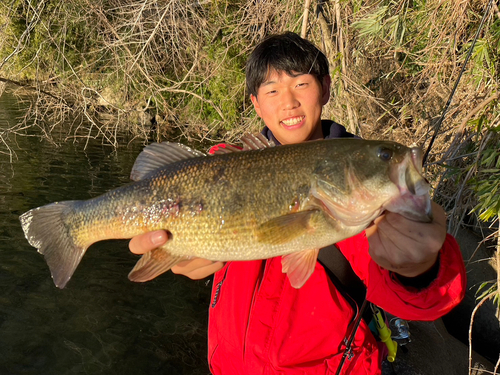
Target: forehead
pixel 279 76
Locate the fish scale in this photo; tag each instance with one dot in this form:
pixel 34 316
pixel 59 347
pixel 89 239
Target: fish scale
pixel 288 200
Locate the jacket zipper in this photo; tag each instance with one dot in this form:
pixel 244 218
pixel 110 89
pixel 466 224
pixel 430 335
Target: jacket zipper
pixel 217 289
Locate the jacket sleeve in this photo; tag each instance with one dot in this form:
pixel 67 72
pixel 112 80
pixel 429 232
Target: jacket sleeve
pixel 221 146
pixel 385 290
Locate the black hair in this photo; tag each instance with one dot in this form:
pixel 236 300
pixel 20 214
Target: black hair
pixel 287 53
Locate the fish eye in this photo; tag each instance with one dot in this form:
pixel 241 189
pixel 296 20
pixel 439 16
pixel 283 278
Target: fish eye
pixel 385 154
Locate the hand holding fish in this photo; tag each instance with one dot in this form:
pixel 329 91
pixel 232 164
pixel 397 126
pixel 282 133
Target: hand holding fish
pixel 196 268
pixel 407 247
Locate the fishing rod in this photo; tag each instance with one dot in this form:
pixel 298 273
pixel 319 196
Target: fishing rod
pixel 447 106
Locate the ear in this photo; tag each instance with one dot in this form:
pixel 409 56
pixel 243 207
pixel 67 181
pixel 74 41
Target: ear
pixel 326 83
pixel 256 105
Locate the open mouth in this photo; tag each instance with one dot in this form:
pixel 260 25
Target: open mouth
pixel 293 122
pixel 416 183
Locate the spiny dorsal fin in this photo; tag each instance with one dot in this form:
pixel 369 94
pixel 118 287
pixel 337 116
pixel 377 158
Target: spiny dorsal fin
pixel 159 155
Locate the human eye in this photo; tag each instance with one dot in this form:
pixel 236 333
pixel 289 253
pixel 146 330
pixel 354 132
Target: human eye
pixel 303 82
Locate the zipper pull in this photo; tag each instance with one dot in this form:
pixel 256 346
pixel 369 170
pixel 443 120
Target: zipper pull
pixel 217 291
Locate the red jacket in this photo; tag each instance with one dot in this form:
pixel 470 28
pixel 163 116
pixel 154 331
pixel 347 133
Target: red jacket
pixel 259 324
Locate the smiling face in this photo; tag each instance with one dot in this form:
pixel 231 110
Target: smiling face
pixel 291 105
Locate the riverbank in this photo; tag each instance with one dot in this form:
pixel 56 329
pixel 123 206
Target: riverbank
pixel 182 63
pixel 170 71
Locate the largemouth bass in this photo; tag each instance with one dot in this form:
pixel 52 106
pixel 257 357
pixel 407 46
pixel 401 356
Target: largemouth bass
pixel 285 201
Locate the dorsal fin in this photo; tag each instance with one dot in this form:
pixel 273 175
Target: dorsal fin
pixel 249 141
pixel 159 155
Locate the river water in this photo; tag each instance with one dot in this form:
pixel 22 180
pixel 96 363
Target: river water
pixel 101 323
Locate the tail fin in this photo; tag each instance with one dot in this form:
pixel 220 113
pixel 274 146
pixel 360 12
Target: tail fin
pixel 47 229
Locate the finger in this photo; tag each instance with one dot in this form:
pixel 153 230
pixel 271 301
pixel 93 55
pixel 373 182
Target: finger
pixel 203 272
pixel 398 252
pixel 197 268
pixel 148 241
pixel 418 230
pixel 400 231
pixel 381 235
pixel 388 247
pixel 189 265
pixel 438 213
pixel 378 247
pixel 427 235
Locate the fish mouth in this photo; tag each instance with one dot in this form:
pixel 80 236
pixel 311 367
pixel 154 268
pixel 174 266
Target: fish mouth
pixel 415 182
pixel 414 201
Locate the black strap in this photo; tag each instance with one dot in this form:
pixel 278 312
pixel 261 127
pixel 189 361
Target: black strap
pixel 340 272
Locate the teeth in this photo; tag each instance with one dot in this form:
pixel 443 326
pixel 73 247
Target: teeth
pixel 293 120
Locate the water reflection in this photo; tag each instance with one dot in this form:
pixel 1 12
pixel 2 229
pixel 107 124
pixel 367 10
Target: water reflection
pixel 101 323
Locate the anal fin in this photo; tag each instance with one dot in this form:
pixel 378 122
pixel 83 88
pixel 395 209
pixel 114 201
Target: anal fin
pixel 299 266
pixel 153 264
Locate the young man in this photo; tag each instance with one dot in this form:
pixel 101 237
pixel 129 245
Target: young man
pixel 258 323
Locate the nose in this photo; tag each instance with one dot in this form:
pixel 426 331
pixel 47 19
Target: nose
pixel 288 100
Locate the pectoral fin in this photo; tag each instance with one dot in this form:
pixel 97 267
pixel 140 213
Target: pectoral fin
pixel 153 264
pixel 299 266
pixel 285 228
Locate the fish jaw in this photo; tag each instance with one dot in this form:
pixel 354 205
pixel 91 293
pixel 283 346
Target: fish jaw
pixel 355 204
pixel 358 209
pixel 413 200
pixel 413 207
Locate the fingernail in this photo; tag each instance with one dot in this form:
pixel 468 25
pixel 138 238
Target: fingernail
pixel 158 238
